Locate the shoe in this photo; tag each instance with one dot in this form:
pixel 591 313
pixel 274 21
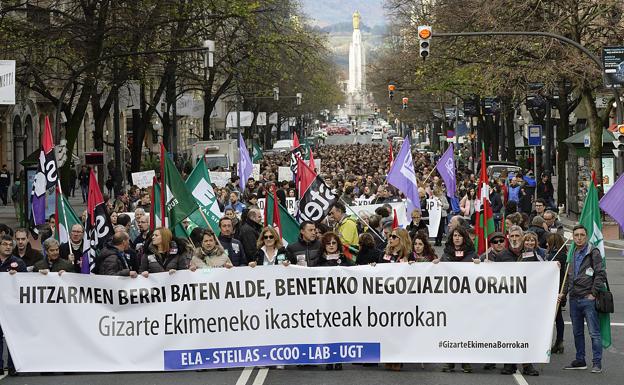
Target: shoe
pixel 338 367
pixel 12 372
pixel 329 367
pixel 529 370
pixel 489 366
pixel 576 365
pixel 467 368
pixel 508 369
pixel 557 348
pixel 279 367
pixel 596 368
pixel 448 368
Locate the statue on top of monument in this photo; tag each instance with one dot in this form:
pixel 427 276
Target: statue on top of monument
pixel 356 20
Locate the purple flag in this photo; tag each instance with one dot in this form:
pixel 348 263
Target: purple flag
pixel 446 168
pixel 403 176
pixel 245 166
pixel 611 203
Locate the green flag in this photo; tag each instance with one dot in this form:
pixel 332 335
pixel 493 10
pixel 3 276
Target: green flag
pixel 198 183
pixel 256 153
pixel 179 203
pixel 289 225
pixel 65 219
pixel 590 219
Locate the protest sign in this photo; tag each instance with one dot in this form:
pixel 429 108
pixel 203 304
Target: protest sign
pixel 281 315
pixel 434 206
pixel 284 173
pixel 399 207
pixel 143 179
pixel 220 178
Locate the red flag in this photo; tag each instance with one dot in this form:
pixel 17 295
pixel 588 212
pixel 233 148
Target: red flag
pixel 484 223
pixel 295 140
pixel 311 162
pixel 48 142
pixel 305 177
pixel 277 223
pixel 593 176
pixel 391 157
pixel 395 220
pixel 95 197
pixel 163 186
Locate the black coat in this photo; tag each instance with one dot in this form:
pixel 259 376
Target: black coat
pixel 248 236
pixel 234 249
pixel 31 256
pixel 342 260
pixel 450 255
pixel 65 249
pixel 303 251
pixel 367 256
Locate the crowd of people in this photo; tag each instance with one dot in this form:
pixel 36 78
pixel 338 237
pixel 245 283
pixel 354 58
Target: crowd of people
pixel 527 231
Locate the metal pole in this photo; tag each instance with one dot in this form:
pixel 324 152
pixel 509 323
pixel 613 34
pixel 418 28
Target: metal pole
pixel 549 138
pixel 117 140
pixel 238 122
pixel 535 170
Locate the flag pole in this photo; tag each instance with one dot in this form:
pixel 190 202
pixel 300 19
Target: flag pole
pixel 360 218
pixel 60 191
pixel 565 276
pixel 163 186
pixel 427 178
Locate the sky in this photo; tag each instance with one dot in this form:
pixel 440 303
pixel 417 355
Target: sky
pixel 327 12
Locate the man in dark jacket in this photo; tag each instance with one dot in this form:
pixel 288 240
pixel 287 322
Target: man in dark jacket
pixel 546 191
pixel 112 260
pixel 72 250
pixel 11 264
pixel 52 261
pixel 233 247
pixel 307 250
pixel 250 232
pixel 512 253
pixel 23 249
pixel 586 277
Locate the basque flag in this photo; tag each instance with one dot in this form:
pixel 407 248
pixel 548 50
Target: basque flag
pixel 46 176
pixel 98 228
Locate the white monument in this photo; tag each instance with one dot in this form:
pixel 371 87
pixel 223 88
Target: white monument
pixel 356 86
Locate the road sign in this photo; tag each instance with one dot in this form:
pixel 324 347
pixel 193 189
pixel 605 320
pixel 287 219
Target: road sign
pixel 535 135
pixel 613 64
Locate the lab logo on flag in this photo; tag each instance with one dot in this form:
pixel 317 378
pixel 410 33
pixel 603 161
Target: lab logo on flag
pixel 450 167
pixel 407 168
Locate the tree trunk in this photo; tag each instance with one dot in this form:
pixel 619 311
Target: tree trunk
pixel 563 131
pixel 595 127
pixel 511 135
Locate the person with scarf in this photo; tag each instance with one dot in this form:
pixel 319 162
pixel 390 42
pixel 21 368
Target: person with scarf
pixel 210 254
pixel 163 254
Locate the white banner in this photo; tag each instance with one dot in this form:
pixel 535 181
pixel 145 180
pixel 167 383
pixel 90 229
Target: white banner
pixel 7 82
pixel 261 120
pixel 370 209
pixel 284 173
pixel 255 173
pixel 291 205
pixel 246 117
pixel 434 206
pixel 278 315
pixel 143 179
pixel 220 178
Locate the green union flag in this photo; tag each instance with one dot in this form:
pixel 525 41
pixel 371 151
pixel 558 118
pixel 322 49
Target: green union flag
pixel 289 227
pixel 65 218
pixel 590 219
pixel 198 183
pixel 256 153
pixel 179 203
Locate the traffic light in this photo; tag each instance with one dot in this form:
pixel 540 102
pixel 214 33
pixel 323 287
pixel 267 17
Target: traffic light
pixel 391 88
pixel 424 37
pixel 405 100
pixel 619 140
pixel 299 97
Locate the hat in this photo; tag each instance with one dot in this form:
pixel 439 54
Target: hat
pixel 495 235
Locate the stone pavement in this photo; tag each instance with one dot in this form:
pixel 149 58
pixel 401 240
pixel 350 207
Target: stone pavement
pixel 568 224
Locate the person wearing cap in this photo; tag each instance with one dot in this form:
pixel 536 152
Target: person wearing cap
pixel 496 241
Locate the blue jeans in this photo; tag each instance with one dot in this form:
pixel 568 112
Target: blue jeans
pixel 583 309
pixel 9 359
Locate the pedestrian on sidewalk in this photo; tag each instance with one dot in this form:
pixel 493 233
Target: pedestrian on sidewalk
pixel 83 178
pixel 5 182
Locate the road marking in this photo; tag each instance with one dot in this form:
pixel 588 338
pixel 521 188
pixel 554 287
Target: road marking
pixel 519 378
pixel 612 323
pixel 261 376
pixel 2 377
pixel 244 376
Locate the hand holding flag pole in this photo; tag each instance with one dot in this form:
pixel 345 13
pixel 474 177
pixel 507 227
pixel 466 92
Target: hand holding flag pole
pixel 568 238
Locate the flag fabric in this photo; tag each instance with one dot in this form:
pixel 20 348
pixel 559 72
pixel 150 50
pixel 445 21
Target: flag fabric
pixel 311 162
pixel 65 217
pixel 278 217
pixel 295 141
pixel 295 154
pixel 446 169
pixel 395 219
pixel 611 202
pixel 98 228
pixel 484 223
pixel 590 219
pixel 200 186
pixel 163 156
pixel 46 176
pixel 391 155
pixel 245 165
pixel 403 176
pixel 257 154
pixel 179 202
pixel 316 198
pixel 155 206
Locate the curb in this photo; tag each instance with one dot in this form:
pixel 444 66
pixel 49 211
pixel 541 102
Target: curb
pixel 616 243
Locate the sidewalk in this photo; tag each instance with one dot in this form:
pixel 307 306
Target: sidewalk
pixel 7 213
pixel 568 224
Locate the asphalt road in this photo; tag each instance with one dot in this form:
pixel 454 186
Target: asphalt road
pixel 552 373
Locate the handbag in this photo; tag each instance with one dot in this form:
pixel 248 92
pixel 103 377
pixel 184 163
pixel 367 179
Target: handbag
pixel 604 300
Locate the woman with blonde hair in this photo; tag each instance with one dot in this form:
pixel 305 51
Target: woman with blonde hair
pixel 210 253
pixel 271 250
pixel 399 247
pixel 163 254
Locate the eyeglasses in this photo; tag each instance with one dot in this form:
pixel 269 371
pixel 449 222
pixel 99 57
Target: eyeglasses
pixel 394 236
pixel 332 243
pixel 497 241
pixel 269 237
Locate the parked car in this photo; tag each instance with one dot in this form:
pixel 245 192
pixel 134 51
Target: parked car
pixel 377 136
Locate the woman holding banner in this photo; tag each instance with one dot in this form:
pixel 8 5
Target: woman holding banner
pixel 210 254
pixel 422 251
pixel 271 250
pixel 399 247
pixel 367 250
pixel 164 254
pixel 531 252
pixel 332 254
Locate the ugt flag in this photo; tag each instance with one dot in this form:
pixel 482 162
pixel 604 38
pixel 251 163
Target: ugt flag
pixel 590 219
pixel 46 176
pixel 446 168
pixel 98 228
pixel 403 176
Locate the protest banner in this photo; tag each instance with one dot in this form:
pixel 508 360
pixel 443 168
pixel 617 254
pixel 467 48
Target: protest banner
pixel 291 205
pixel 256 171
pixel 434 206
pixel 281 315
pixel 284 174
pixel 143 179
pixel 220 178
pixel 399 207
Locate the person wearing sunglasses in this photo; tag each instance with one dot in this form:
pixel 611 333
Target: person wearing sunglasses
pixel 399 247
pixel 332 255
pixel 210 254
pixel 271 250
pixel 496 243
